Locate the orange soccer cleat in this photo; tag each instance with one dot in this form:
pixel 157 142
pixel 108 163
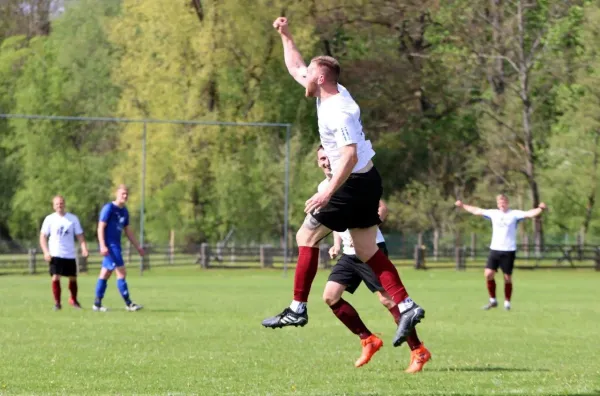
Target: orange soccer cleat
pixel 418 358
pixel 370 346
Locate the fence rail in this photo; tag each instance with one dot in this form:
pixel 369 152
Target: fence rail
pixel 20 260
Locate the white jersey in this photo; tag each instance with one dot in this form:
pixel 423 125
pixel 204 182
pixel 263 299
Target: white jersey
pixel 348 245
pixel 504 228
pixel 340 125
pixel 62 231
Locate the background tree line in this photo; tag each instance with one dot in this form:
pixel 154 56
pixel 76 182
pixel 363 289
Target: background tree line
pixel 462 99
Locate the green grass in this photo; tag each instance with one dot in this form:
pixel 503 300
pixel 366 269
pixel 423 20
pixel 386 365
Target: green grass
pixel 200 334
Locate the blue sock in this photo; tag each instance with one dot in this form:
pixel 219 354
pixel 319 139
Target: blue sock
pixel 122 285
pixel 100 289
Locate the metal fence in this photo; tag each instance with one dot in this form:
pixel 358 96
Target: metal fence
pixel 31 261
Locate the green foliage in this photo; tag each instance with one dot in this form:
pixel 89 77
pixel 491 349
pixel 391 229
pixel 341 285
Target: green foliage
pixel 445 89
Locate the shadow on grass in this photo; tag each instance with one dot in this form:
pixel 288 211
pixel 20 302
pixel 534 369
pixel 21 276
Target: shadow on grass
pixel 489 369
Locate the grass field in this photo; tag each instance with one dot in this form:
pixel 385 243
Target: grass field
pixel 200 334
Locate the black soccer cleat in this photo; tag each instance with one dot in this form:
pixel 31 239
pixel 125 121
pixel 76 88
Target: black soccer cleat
pixel 57 307
pixel 489 306
pixel 287 318
pixel 408 321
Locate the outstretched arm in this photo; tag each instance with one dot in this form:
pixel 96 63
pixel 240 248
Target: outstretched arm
pixel 293 59
pixel 471 209
pixel 535 212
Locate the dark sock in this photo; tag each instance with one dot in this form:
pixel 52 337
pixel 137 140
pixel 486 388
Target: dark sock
pixel 395 313
pixel 413 340
pixel 306 269
pixel 73 289
pixel 388 276
pixel 56 291
pixel 349 317
pixel 491 286
pixel 507 291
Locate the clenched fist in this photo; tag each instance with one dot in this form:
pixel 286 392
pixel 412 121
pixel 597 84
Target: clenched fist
pixel 281 24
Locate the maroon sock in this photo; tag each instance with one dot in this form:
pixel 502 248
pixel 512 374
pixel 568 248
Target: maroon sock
pixel 56 291
pixel 413 340
pixel 306 269
pixel 388 276
pixel 507 291
pixel 395 313
pixel 348 316
pixel 73 289
pixel 491 286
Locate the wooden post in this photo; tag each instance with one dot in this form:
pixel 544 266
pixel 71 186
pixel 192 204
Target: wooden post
pixel 81 263
pixel 419 257
pixel 32 261
pixel 459 258
pixel 172 247
pixel 204 255
pixel 324 255
pixel 266 256
pixel 473 245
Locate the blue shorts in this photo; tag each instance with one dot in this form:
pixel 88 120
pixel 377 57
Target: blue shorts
pixel 114 258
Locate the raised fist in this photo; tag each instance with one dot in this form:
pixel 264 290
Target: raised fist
pixel 459 203
pixel 281 24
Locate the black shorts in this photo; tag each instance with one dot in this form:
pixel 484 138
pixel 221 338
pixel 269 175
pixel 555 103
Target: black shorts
pixel 350 271
pixel 503 260
pixel 355 204
pixel 63 266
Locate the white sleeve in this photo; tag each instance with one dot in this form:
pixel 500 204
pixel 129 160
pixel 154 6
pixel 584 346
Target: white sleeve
pixel 77 226
pixel 489 213
pixel 46 226
pixel 519 214
pixel 347 129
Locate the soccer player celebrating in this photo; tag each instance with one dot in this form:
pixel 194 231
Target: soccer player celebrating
pixel 351 198
pixel 57 240
pixel 504 243
pixel 347 274
pixel 114 218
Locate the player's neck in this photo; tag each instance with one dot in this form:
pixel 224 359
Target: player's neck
pixel 327 91
pixel 118 205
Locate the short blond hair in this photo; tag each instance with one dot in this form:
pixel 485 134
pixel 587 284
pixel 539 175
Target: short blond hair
pixel 501 196
pixel 330 66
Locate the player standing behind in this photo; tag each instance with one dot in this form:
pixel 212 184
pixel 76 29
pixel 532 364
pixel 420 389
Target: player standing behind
pixel 504 243
pixel 114 218
pixel 62 228
pixel 347 274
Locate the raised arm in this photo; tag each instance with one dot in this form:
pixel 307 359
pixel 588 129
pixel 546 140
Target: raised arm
pixel 471 209
pixel 535 212
pixel 293 60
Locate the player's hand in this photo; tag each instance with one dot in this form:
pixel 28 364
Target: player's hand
pixel 459 204
pixel 84 251
pixel 542 206
pixel 47 257
pixel 104 250
pixel 141 251
pixel 316 202
pixel 281 24
pixel 334 251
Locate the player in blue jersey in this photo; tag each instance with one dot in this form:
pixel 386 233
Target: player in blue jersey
pixel 114 218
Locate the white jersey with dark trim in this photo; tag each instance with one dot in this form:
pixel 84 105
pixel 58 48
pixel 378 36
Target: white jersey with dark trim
pixel 340 125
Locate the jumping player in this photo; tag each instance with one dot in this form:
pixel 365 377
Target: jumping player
pixel 57 240
pixel 504 243
pixel 347 274
pixel 114 218
pixel 351 198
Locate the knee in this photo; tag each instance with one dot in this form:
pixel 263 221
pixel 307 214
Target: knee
pixel 306 237
pixel 55 278
pixel 72 279
pixel 507 279
pixel 330 298
pixel 489 274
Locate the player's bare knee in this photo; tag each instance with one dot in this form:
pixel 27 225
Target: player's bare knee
pixel 55 277
pixel 507 279
pixel 311 232
pixel 121 272
pixel 72 278
pixel 489 274
pixel 332 293
pixel 105 274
